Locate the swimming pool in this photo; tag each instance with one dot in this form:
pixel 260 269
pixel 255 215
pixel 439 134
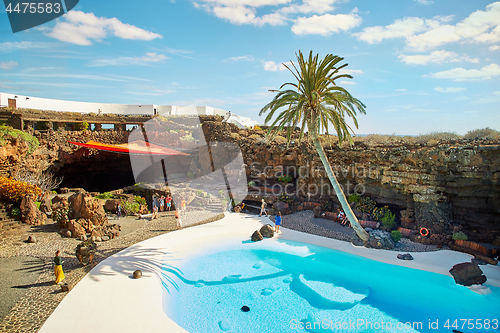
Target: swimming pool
pixel 290 286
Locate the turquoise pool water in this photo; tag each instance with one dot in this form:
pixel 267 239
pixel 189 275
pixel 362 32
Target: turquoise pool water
pixel 297 287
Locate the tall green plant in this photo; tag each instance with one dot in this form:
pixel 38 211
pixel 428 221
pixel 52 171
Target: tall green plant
pixel 315 102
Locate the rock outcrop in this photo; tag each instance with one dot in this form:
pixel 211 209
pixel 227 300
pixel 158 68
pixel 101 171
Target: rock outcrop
pixel 467 274
pixel 29 211
pixel 256 236
pixel 83 206
pixel 267 231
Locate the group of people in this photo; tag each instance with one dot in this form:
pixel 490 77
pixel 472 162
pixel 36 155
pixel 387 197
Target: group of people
pixel 342 218
pixel 163 203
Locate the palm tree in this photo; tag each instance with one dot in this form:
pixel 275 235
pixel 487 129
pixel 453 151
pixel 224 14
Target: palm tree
pixel 315 102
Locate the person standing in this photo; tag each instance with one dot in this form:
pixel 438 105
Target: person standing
pixel 277 222
pixel 155 213
pixel 178 219
pixel 183 206
pixel 162 203
pixel 168 201
pixel 263 208
pixel 119 211
pixel 58 271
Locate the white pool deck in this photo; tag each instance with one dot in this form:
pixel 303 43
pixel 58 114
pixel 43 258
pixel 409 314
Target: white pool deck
pixel 108 299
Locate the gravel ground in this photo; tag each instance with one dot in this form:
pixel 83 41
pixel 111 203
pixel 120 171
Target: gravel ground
pixel 28 292
pixel 304 221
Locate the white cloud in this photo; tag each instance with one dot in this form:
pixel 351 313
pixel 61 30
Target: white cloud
pixel 401 89
pixel 424 2
pixel 13 46
pixel 82 28
pixel 150 57
pixel 481 26
pixel 253 3
pixel 273 67
pixel 436 57
pixel 461 74
pixel 8 64
pixel 494 48
pixel 347 83
pixel 240 58
pixel 350 71
pixel 326 24
pixel 242 14
pixel 449 89
pixel 401 28
pixel 310 6
pixel 282 11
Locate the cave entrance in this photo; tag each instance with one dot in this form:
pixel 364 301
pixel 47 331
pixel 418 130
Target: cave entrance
pixel 101 172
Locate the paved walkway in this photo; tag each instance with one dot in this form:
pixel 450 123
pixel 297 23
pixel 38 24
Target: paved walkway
pixel 28 299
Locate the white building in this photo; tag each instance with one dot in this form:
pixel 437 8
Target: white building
pixel 28 102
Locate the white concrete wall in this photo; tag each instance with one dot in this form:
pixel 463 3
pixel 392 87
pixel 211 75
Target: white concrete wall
pixel 29 102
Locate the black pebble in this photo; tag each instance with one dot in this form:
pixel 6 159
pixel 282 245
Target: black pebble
pixel 245 308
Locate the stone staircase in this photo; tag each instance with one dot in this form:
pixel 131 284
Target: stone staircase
pixel 215 205
pixel 7 222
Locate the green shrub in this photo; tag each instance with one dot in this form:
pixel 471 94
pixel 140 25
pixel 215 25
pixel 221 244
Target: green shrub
pixel 328 206
pixel 190 175
pixel 379 212
pixel 37 203
pixel 459 236
pixel 81 126
pixel 353 198
pixel 130 208
pixel 15 212
pixel 285 198
pixel 140 200
pixel 285 179
pixel 7 132
pixel 482 134
pixel 396 235
pixel 60 215
pixel 251 183
pixel 187 138
pixel 389 220
pixel 366 205
pixel 105 196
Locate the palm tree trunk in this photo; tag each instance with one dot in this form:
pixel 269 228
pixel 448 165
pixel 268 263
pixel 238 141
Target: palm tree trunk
pixel 338 191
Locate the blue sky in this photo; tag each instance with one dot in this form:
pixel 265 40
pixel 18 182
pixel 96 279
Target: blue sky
pixel 418 65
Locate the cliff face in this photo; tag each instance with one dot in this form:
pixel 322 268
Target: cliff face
pixel 79 167
pixel 437 185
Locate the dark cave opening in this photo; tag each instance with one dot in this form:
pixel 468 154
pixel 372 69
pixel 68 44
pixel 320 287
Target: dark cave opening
pixel 97 173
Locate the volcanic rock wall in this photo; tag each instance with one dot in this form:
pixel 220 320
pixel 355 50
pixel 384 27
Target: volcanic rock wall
pixel 436 184
pixel 78 166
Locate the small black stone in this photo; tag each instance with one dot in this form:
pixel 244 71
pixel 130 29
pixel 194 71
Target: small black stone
pixel 245 308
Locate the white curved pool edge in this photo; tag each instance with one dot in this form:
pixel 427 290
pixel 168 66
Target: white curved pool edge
pixel 109 300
